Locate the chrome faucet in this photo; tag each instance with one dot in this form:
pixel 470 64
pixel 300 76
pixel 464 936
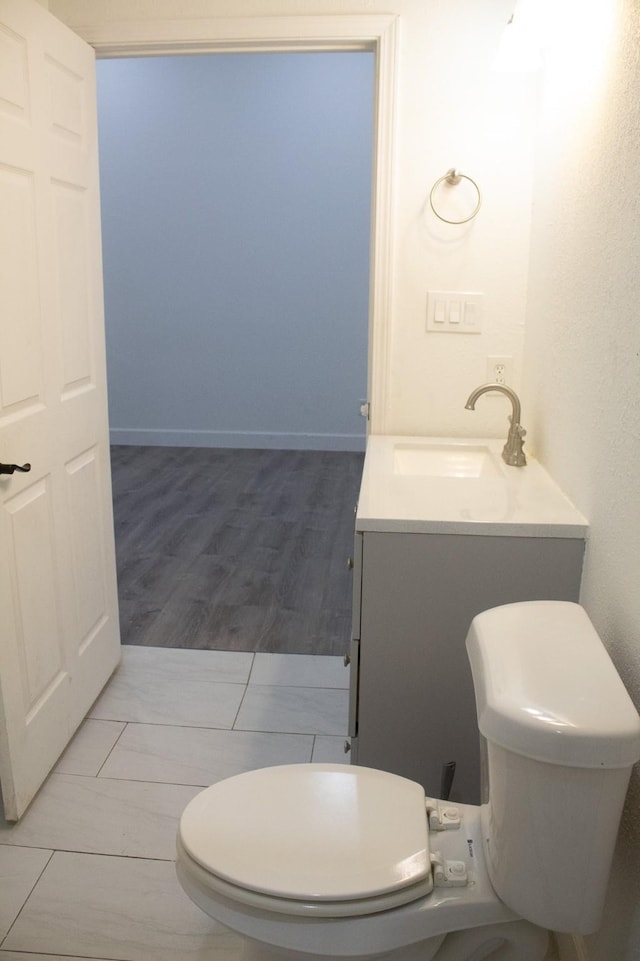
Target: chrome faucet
pixel 512 452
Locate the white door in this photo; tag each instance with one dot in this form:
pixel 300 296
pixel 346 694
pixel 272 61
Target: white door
pixel 59 636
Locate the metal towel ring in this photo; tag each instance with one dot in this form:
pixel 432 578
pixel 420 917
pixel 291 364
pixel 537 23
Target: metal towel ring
pixel 453 177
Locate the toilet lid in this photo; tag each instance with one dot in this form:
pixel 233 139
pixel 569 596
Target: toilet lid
pixel 311 832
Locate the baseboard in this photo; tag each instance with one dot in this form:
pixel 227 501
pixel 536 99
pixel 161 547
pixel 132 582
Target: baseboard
pixel 239 439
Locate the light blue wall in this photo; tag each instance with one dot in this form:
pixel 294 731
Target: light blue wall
pixel 236 196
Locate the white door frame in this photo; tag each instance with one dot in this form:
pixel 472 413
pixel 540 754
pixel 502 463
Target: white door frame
pixel 376 33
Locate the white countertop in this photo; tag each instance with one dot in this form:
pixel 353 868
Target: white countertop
pixel 508 502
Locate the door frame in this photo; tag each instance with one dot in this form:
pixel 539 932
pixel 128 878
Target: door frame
pixel 375 33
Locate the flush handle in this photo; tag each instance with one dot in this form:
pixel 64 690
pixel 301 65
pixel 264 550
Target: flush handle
pixel 10 468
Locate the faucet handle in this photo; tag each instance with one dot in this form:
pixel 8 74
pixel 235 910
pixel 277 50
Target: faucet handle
pixel 513 453
pixel 517 428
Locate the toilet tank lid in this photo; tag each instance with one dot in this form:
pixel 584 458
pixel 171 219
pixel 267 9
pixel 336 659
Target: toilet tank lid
pixel 547 689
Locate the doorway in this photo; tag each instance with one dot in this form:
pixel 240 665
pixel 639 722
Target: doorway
pixel 378 33
pixel 236 221
pixel 236 194
pixel 74 103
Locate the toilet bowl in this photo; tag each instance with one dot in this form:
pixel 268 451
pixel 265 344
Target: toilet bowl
pixel 339 861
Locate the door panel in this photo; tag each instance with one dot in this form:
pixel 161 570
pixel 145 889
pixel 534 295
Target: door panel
pixel 32 544
pixel 72 279
pixel 58 602
pixel 20 344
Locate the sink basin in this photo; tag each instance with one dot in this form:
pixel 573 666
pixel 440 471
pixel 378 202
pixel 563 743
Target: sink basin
pixel 445 460
pixel 414 484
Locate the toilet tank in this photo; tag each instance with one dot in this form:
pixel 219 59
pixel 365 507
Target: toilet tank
pixel 559 735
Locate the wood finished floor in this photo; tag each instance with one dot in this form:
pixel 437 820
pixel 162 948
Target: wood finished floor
pixel 235 550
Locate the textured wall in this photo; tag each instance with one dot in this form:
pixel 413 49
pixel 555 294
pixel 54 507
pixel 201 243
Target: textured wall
pixel 452 111
pixel 583 348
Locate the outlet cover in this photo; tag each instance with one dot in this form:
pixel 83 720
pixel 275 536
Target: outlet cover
pixel 500 370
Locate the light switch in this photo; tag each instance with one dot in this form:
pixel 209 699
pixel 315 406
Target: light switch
pixel 470 314
pixel 454 312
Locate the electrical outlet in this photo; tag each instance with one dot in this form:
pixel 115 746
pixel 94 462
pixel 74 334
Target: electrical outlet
pixel 499 370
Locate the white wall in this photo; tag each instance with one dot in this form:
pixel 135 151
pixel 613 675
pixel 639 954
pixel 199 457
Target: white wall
pixel 236 196
pixel 583 346
pixel 452 111
pixel 455 111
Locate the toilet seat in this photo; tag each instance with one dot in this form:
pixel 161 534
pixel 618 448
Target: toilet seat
pixel 327 840
pixel 348 931
pixel 356 907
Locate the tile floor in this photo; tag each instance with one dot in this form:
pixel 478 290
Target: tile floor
pixel 88 872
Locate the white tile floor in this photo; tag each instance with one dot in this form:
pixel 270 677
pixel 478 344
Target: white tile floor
pixel 88 872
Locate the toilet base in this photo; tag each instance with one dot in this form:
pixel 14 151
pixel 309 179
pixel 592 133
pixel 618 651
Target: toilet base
pixel 424 951
pixel 509 941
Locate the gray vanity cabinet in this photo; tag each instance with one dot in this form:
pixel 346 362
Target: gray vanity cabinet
pixel 412 707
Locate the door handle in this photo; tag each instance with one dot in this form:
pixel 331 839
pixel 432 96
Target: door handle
pixel 9 468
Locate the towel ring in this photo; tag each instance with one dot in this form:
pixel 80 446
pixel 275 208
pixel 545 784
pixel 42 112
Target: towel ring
pixel 453 177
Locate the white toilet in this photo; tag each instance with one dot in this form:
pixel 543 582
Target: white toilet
pixel 340 861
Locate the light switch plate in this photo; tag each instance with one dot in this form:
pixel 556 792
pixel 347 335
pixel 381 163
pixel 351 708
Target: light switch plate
pixel 455 311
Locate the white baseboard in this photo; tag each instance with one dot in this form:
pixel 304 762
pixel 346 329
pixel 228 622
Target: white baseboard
pixel 237 439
